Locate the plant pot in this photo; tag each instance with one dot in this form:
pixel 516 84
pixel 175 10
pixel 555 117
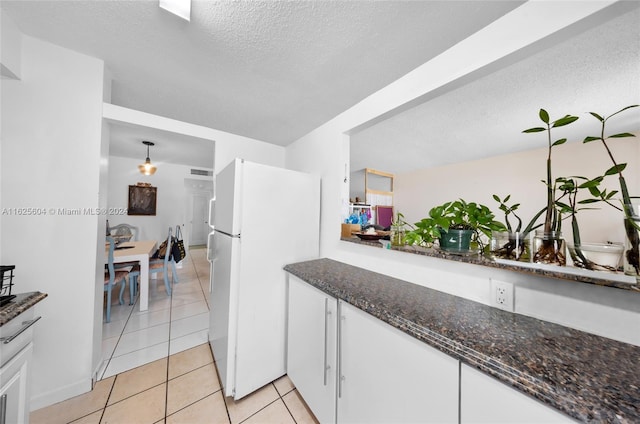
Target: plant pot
pixel 631 256
pixel 602 256
pixel 397 236
pixel 549 248
pixel 456 240
pixel 510 245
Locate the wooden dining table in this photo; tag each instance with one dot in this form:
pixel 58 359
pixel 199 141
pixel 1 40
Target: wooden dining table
pixel 140 251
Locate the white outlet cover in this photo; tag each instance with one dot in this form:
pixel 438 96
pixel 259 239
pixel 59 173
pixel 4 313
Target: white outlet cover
pixel 502 295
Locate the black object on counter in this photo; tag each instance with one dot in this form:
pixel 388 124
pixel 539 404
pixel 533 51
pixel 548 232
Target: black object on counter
pixel 6 283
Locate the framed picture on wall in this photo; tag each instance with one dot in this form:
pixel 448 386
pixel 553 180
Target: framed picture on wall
pixel 142 200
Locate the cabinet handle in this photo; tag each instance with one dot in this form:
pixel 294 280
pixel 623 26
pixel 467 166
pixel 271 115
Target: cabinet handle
pixel 3 409
pixel 327 312
pixel 339 369
pixel 26 324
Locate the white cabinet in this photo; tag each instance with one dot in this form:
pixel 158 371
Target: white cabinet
pixel 486 400
pixel 389 376
pixel 385 375
pixel 16 347
pixel 311 351
pixel 14 390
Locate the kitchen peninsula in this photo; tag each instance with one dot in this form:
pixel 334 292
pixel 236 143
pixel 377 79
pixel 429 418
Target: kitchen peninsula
pixel 607 279
pixel 584 376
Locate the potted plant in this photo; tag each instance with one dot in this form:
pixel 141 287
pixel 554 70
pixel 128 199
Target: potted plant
pixel 591 256
pixel 514 242
pixel 457 226
pixel 549 246
pixel 631 217
pixel 398 230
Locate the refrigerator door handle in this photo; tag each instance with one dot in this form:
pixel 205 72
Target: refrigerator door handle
pixel 212 209
pixel 211 256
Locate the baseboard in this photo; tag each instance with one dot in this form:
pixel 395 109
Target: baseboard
pixel 59 394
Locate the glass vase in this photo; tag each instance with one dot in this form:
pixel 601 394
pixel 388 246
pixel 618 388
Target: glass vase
pixel 631 255
pixel 549 248
pixel 514 246
pixel 397 235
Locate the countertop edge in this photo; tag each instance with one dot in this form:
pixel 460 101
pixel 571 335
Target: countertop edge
pixel 21 303
pixel 578 275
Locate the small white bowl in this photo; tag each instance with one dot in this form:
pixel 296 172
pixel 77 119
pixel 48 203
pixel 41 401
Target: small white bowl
pixel 608 254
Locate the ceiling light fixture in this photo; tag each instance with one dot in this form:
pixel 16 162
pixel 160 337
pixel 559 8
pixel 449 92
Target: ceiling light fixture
pixel 147 168
pixel 181 8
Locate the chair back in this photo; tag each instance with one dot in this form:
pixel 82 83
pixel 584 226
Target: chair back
pixel 167 253
pixel 124 232
pixel 110 266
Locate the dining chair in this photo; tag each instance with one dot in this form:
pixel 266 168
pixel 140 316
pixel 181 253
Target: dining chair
pixel 113 276
pixel 124 232
pixel 159 265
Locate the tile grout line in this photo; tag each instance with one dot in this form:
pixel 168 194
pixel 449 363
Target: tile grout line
pixel 113 352
pixel 166 401
pixel 166 395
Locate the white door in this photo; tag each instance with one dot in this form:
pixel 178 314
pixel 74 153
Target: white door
pixel 483 399
pixel 199 217
pixel 387 376
pixel 223 305
pixel 311 347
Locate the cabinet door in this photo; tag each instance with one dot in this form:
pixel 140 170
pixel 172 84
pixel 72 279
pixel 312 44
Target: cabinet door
pixel 14 393
pixel 311 347
pixel 484 399
pixel 388 376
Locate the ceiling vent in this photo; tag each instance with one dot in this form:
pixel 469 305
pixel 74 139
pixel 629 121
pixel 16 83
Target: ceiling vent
pixel 202 172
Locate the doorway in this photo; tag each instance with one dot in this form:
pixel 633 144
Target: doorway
pixel 199 192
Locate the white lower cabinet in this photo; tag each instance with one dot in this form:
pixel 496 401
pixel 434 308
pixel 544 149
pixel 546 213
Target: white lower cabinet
pixel 311 347
pixel 483 399
pixel 14 391
pixel 385 375
pixel 390 377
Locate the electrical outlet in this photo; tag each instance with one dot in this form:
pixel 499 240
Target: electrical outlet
pixel 502 295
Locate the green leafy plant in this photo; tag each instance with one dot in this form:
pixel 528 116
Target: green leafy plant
pixel 631 227
pixel 547 252
pixel 569 187
pixel 459 215
pixel 508 249
pixel 398 230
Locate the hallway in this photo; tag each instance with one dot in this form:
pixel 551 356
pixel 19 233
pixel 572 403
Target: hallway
pixel 158 367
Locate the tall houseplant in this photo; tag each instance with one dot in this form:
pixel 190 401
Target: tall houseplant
pixel 631 219
pixel 568 203
pixel 550 249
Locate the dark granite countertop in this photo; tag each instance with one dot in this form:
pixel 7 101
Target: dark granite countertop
pixel 588 377
pixel 21 303
pixel 600 278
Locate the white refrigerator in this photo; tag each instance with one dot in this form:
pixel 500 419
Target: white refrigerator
pixel 264 217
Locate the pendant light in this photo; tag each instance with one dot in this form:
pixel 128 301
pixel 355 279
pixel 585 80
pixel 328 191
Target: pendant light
pixel 147 168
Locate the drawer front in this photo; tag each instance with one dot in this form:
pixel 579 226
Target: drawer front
pixel 10 341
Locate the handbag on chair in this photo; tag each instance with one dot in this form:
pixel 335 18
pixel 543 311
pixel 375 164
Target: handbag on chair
pixel 177 248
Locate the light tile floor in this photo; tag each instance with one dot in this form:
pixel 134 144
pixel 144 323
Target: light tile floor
pixel 159 368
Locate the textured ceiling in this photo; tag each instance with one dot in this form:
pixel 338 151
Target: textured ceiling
pixel 270 70
pixel 595 71
pixel 275 70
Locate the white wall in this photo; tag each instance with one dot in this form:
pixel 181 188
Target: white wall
pixel 170 201
pixel 520 175
pixel 51 138
pixel 54 154
pixel 611 312
pixel 10 49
